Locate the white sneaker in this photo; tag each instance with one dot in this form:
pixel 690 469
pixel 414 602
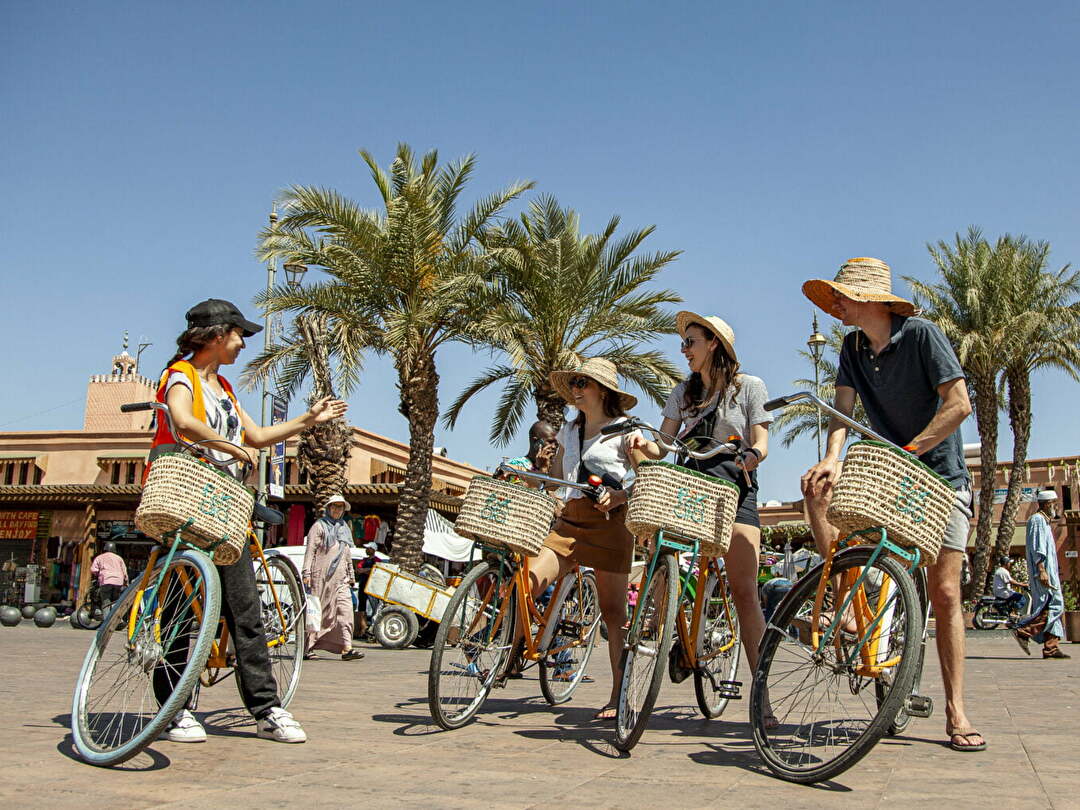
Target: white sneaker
pixel 280 726
pixel 184 728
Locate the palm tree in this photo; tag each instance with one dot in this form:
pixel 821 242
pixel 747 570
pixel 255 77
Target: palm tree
pixel 562 297
pixel 323 450
pixel 970 304
pixel 1046 335
pixel 803 418
pixel 402 281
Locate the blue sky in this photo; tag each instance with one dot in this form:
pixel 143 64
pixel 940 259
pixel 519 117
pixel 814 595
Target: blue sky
pixel 143 144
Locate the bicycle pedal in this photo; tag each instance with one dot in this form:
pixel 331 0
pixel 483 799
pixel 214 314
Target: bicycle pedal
pixel 731 690
pixel 919 705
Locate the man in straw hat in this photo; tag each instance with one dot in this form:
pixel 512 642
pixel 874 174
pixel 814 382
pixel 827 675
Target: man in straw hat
pixel 913 391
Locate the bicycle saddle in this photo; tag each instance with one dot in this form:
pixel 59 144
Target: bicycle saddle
pixel 268 515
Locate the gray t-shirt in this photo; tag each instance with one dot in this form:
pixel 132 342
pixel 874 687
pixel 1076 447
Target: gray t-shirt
pixel 732 417
pixel 898 388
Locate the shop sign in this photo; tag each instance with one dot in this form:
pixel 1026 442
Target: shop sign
pixel 18 525
pixel 279 413
pixel 117 530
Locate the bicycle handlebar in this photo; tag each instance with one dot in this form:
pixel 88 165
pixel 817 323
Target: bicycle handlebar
pixel 194 447
pixel 733 445
pixel 591 489
pixel 858 427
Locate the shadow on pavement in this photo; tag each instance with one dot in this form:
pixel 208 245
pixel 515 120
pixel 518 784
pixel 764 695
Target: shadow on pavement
pixel 233 722
pixel 146 760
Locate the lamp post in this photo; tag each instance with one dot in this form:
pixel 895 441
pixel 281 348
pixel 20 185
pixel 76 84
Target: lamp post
pixel 264 413
pixel 816 344
pixel 294 274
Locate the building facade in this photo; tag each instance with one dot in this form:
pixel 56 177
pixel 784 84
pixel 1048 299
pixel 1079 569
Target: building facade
pixel 63 493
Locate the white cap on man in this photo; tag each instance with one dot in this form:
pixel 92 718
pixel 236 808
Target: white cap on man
pixel 372 545
pixel 1046 495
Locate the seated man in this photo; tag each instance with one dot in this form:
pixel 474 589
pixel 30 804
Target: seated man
pixel 1003 582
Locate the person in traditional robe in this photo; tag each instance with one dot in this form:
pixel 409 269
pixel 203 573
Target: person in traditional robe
pixel 1044 625
pixel 328 575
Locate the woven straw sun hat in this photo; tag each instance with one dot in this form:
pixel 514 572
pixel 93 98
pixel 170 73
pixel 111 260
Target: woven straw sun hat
pixel 595 368
pixel 718 326
pixel 337 499
pixel 860 279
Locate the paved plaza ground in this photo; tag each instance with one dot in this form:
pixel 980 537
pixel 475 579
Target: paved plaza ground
pixel 372 744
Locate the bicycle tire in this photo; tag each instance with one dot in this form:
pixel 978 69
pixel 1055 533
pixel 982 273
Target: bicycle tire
pixel 484 652
pixel 99 739
pixel 640 665
pixel 903 719
pixel 714 631
pixel 818 766
pixel 577 608
pixel 287 654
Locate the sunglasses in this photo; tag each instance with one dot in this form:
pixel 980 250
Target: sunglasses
pixel 233 420
pixel 688 343
pixel 579 382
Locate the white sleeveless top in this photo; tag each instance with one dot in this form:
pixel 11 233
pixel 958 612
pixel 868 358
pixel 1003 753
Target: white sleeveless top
pixel 604 455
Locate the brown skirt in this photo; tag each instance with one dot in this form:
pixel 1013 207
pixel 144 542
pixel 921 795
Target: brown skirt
pixel 585 536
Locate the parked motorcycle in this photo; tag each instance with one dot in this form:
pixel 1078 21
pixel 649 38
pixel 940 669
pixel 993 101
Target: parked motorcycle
pixel 992 613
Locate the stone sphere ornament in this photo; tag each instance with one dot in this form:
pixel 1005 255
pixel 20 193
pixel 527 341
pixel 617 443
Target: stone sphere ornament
pixel 45 617
pixel 28 611
pixel 10 616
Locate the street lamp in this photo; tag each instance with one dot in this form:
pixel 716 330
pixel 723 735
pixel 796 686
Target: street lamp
pixel 264 452
pixel 294 274
pixel 816 344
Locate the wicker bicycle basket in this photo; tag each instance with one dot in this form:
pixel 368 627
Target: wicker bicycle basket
pixel 881 486
pixel 499 513
pixel 180 488
pixel 683 502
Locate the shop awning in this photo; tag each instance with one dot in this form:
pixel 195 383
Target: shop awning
pixel 111 457
pixel 40 460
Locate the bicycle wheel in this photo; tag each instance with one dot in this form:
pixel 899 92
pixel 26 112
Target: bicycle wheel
pixel 644 661
pixel 718 637
pixel 903 719
pixel 115 713
pixel 576 618
pixel 827 715
pixel 284 630
pixel 470 650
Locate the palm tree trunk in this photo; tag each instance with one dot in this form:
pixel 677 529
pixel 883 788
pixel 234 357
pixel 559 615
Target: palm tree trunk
pixel 419 384
pixel 323 450
pixel 550 407
pixel 986 417
pixel 1019 383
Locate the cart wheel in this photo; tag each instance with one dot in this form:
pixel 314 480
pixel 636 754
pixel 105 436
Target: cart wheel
pixel 396 627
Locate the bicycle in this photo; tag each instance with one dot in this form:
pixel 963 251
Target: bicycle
pixel 167 625
pixel 492 611
pixel 90 611
pixel 817 673
pixel 698 607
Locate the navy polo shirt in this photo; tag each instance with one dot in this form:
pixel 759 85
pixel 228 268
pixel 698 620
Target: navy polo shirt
pixel 898 388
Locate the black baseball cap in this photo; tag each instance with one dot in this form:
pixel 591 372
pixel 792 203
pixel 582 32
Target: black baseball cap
pixel 215 312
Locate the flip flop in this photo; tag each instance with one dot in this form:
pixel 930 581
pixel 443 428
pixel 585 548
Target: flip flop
pixel 610 707
pixel 965 734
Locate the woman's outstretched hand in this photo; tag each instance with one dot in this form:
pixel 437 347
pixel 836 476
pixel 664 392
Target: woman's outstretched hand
pixel 328 408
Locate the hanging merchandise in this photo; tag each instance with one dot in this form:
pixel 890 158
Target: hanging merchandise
pixel 380 535
pixel 295 535
pixel 371 527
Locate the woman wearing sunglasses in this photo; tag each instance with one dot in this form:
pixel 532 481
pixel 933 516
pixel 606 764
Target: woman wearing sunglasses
pixel 715 402
pixel 589 533
pixel 204 408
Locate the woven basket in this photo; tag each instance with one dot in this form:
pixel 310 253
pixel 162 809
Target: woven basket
pixel 683 502
pixel 181 488
pixel 499 513
pixel 881 486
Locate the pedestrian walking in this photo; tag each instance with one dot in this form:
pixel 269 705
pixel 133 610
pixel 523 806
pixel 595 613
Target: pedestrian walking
pixel 1044 625
pixel 110 572
pixel 362 571
pixel 328 576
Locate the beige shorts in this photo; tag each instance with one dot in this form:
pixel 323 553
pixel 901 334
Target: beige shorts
pixel 959 525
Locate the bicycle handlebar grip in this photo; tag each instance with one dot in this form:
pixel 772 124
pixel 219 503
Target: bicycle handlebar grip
pixel 611 430
pixel 131 407
pixel 773 404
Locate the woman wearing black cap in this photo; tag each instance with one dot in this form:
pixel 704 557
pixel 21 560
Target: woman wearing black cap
pixel 204 408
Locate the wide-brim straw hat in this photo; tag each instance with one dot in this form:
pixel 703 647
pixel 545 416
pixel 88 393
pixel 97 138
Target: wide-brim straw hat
pixel 861 279
pixel 718 326
pixel 337 499
pixel 595 368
